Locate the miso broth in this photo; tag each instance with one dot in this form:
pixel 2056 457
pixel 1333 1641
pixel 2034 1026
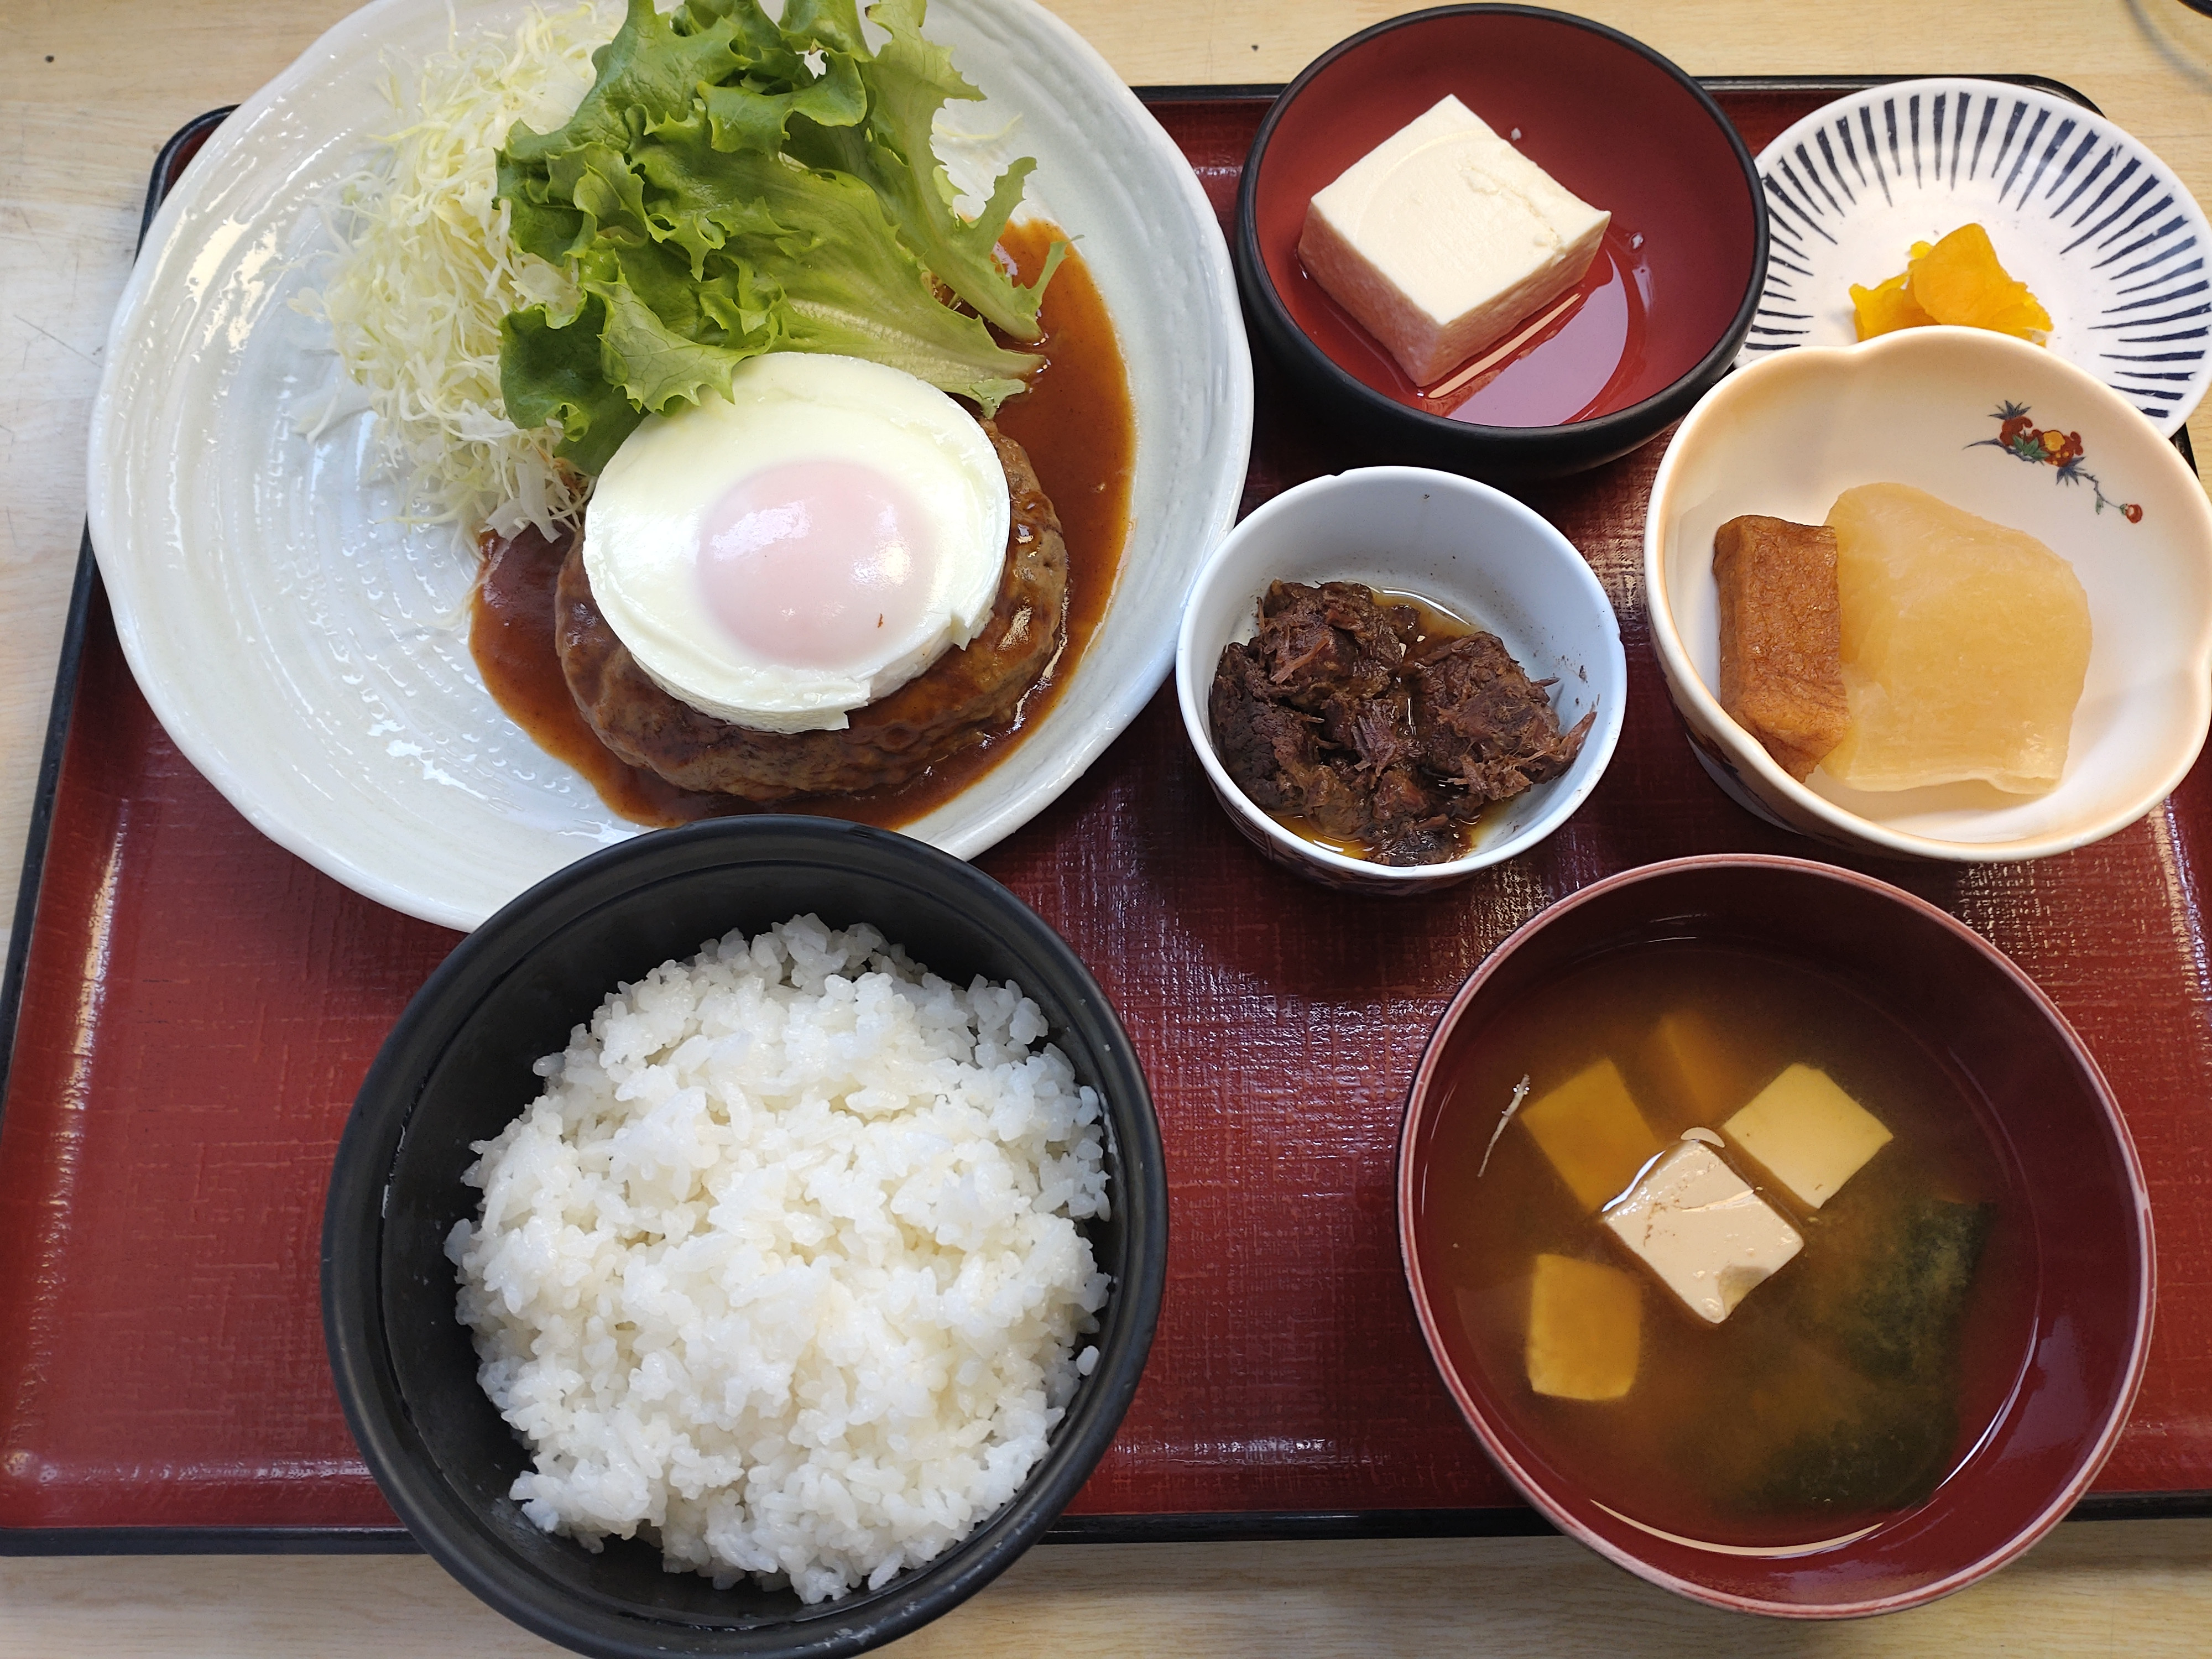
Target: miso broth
pixel 1841 1389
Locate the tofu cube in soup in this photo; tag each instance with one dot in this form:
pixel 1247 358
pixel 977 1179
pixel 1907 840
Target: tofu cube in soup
pixel 1700 1228
pixel 1585 1328
pixel 1591 1131
pixel 1811 1136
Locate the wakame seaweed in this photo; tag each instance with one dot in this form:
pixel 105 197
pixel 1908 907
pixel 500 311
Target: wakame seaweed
pixel 1889 1454
pixel 1892 1303
pixel 1881 1290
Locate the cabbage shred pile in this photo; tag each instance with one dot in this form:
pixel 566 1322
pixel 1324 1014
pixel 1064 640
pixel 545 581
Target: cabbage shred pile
pixel 425 271
pixel 732 185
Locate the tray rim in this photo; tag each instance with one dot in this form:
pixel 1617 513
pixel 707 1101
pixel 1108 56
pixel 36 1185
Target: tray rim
pixel 1163 1526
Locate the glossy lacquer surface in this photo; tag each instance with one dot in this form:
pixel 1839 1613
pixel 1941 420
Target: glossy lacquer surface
pixel 200 1006
pixel 2011 1112
pixel 1681 243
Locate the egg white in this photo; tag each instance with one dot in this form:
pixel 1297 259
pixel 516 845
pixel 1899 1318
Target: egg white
pixel 642 532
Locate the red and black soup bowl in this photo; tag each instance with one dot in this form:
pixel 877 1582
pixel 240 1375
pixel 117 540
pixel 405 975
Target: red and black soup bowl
pixel 2056 1330
pixel 1667 299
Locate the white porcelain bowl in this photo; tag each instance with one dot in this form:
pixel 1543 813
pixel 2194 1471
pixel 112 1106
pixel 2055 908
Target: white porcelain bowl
pixel 1787 435
pixel 1470 549
pixel 2101 230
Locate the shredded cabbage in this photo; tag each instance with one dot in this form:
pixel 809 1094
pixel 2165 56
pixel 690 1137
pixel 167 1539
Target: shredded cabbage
pixel 426 270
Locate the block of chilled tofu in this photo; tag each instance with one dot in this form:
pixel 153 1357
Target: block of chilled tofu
pixel 1443 236
pixel 1811 1136
pixel 1694 1064
pixel 1782 638
pixel 1585 1327
pixel 1698 1226
pixel 1589 1128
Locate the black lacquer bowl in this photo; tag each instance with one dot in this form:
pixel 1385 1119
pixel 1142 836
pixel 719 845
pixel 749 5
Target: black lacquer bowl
pixel 457 1067
pixel 1663 310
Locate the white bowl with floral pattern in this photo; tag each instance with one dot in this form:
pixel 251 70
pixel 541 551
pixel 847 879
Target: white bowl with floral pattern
pixel 2003 429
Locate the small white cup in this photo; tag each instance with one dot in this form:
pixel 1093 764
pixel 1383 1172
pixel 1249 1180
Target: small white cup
pixel 1462 545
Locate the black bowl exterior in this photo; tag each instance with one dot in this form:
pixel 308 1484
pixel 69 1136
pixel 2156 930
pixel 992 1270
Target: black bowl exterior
pixel 1379 427
pixel 457 1068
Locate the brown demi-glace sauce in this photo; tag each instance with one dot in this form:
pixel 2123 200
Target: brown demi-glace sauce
pixel 1076 424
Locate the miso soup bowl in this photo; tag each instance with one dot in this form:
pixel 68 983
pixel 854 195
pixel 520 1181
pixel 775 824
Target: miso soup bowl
pixel 2079 1216
pixel 1462 545
pixel 2011 434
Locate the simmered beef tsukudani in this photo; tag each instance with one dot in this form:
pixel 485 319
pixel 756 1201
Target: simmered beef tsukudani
pixel 1369 723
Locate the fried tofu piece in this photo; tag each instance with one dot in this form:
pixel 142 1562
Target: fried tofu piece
pixel 1696 1066
pixel 1810 1134
pixel 1782 650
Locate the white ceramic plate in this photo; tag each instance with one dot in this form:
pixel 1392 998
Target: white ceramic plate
pixel 2096 226
pixel 309 653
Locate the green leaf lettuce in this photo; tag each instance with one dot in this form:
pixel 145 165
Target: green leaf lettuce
pixel 732 185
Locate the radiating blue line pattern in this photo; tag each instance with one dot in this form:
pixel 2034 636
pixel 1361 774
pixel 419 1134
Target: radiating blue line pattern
pixel 2113 205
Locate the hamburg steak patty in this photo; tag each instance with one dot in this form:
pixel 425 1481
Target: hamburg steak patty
pixel 941 709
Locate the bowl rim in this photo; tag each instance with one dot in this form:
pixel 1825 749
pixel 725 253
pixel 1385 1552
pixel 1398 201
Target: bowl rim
pixel 2097 1449
pixel 2055 96
pixel 447 1527
pixel 1746 751
pixel 1597 751
pixel 1621 427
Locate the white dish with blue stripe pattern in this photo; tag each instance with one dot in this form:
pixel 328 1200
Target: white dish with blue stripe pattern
pixel 2096 226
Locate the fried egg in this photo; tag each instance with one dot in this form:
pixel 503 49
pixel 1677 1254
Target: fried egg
pixel 803 548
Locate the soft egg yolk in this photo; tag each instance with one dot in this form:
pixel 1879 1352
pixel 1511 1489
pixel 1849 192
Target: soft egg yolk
pixel 810 563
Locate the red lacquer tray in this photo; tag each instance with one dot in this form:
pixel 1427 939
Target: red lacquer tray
pixel 194 1008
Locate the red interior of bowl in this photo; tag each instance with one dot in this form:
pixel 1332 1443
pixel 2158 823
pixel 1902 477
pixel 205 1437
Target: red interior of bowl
pixel 2079 1193
pixel 1610 123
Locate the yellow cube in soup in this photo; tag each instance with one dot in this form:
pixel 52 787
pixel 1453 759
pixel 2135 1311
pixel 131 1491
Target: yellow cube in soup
pixel 1593 1134
pixel 1694 1063
pixel 1811 1136
pixel 1586 1329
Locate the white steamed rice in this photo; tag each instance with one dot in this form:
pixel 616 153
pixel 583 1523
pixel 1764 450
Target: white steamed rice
pixel 784 1266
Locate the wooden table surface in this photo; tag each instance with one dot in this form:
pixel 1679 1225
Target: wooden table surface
pixel 88 91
